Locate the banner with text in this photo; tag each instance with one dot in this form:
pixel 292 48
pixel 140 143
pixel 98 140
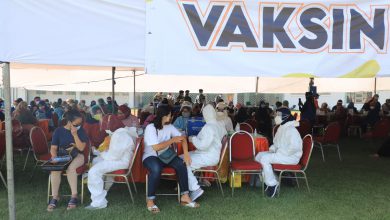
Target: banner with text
pixel 325 38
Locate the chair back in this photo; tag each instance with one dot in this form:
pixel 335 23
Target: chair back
pixel 252 123
pixel 332 133
pixel 242 146
pixel 194 125
pixel 17 128
pixel 38 141
pixel 55 119
pixel 381 129
pixel 246 127
pixel 307 149
pixel 111 122
pixel 304 128
pixel 95 135
pixel 225 144
pixel 134 157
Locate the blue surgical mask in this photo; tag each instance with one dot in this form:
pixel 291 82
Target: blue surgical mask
pixel 186 114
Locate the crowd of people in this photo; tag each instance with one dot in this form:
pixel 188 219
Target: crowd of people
pixel 164 122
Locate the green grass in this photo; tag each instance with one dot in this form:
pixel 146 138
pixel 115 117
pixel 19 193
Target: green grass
pixel 356 188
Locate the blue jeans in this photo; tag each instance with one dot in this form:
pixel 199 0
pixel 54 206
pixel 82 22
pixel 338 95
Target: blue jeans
pixel 155 166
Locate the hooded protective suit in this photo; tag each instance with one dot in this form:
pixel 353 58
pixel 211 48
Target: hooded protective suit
pixel 208 146
pixel 287 149
pixel 117 157
pixel 223 118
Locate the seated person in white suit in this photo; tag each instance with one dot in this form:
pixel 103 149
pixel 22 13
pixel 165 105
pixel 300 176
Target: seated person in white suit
pixel 223 117
pixel 208 148
pixel 287 149
pixel 116 157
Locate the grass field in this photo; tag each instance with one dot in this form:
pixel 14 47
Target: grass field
pixel 356 188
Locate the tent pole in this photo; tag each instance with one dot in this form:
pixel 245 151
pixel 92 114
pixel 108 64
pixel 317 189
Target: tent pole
pixel 375 86
pixel 8 138
pixel 134 89
pixel 113 89
pixel 257 89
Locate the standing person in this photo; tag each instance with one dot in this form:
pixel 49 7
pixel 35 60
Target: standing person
pixel 158 97
pixel 180 97
pixel 287 149
pixel 116 157
pixel 373 106
pixel 200 98
pixel 208 148
pixel 158 138
pixel 187 96
pixel 218 98
pixel 70 134
pixel 263 119
pixel 103 106
pixel 386 107
pixel 308 110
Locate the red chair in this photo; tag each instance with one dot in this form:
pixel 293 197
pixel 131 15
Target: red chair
pixel 215 169
pixel 167 173
pixel 301 166
pixel 252 123
pixel 19 141
pixel 81 171
pixel 94 133
pixel 39 148
pixel 381 130
pixel 55 119
pixel 246 127
pixel 304 128
pixel 2 154
pixel 242 155
pixel 331 137
pixel 121 174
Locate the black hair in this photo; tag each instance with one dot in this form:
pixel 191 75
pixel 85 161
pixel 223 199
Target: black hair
pixel 72 115
pixel 161 112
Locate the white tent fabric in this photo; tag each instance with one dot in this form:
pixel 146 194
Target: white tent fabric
pixel 86 33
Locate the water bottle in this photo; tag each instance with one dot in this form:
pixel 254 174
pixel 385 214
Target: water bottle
pixel 237 127
pixel 255 132
pixel 62 159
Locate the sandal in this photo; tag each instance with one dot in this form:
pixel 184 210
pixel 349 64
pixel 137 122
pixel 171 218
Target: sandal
pixel 72 204
pixel 52 205
pixel 190 204
pixel 153 209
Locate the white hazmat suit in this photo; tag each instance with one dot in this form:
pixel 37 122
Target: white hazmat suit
pixel 287 149
pixel 223 118
pixel 208 146
pixel 117 157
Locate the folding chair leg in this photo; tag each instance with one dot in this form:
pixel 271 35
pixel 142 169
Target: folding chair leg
pixel 48 189
pixel 322 152
pixel 82 189
pixel 219 183
pixel 296 179
pixel 262 183
pixel 25 162
pixel 2 179
pixel 338 150
pixel 146 186
pixel 307 183
pixel 178 192
pixel 232 184
pixel 132 180
pixel 280 182
pixel 128 187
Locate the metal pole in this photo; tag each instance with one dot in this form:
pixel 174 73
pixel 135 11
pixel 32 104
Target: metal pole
pixel 8 138
pixel 375 86
pixel 257 89
pixel 134 89
pixel 113 89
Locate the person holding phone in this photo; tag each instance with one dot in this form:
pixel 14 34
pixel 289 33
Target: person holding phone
pixel 158 139
pixel 70 134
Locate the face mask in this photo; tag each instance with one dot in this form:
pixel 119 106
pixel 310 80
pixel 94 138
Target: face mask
pixel 372 107
pixel 186 114
pixel 97 117
pixel 220 114
pixel 278 120
pixel 78 127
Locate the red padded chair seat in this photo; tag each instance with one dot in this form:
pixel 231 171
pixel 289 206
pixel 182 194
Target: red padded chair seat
pixel 124 171
pixel 245 165
pixel 286 167
pixel 209 168
pixel 168 170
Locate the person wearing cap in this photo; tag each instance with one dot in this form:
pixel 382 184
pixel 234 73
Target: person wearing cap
pixel 187 97
pixel 286 149
pixel 338 105
pixel 185 114
pixel 208 144
pixel 200 98
pixel 223 118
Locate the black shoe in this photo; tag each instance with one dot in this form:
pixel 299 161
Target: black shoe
pixel 271 191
